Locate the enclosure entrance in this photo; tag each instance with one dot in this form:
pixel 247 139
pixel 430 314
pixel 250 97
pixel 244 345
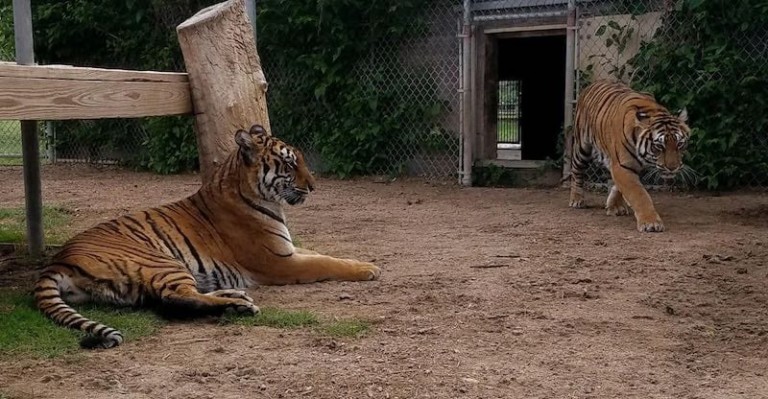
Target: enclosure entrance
pixel 530 94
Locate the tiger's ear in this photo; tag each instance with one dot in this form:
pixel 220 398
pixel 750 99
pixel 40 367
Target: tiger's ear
pixel 257 129
pixel 683 116
pixel 247 148
pixel 260 136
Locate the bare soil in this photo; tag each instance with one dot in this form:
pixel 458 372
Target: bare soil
pixel 485 293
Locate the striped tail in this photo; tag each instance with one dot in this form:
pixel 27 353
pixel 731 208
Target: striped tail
pixel 49 301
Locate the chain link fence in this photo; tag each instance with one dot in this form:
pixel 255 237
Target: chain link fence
pixel 10 131
pixel 424 68
pixel 686 57
pixel 613 39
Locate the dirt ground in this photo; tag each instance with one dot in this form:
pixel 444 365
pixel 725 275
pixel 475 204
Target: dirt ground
pixel 485 293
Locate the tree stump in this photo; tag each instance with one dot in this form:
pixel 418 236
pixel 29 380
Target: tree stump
pixel 225 75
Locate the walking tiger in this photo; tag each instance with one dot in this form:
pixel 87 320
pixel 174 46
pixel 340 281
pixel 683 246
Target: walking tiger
pixel 626 131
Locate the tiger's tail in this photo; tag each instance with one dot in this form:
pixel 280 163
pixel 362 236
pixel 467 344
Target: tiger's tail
pixel 48 299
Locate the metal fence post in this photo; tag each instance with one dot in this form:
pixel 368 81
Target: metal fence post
pixel 22 26
pixel 466 99
pixel 50 141
pixel 250 9
pixel 570 61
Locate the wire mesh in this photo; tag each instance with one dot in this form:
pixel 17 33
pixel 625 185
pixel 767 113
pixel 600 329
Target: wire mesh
pixel 609 36
pixel 423 68
pixel 613 42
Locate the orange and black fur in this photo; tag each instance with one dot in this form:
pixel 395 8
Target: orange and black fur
pixel 626 131
pixel 196 255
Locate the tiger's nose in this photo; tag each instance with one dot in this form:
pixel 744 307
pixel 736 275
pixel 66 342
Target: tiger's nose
pixel 310 187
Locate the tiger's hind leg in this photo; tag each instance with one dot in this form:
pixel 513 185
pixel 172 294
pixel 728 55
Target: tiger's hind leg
pixel 179 295
pixel 580 160
pixel 615 205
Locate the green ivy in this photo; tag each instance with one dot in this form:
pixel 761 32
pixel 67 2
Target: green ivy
pixel 171 145
pixel 354 125
pixel 709 57
pixel 130 34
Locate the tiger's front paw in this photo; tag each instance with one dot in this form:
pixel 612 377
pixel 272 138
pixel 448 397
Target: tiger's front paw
pixel 617 210
pixel 366 271
pixel 577 201
pixel 650 225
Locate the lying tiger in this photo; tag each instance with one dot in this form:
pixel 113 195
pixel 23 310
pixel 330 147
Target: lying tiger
pixel 626 131
pixel 196 255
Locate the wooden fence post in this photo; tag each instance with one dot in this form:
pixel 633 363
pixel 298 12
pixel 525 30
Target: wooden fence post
pixel 225 75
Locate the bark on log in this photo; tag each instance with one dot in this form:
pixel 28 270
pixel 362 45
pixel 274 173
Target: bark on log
pixel 227 82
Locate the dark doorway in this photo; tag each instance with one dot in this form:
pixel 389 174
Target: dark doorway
pixel 536 65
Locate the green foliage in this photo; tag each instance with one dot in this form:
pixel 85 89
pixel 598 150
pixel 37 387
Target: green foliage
pixel 92 139
pixel 108 33
pixel 133 34
pixel 346 328
pixel 353 124
pixel 171 145
pixel 703 59
pixel 6 34
pixel 616 37
pixel 494 176
pixel 25 332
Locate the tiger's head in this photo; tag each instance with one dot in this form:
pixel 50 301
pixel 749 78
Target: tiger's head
pixel 273 169
pixel 662 139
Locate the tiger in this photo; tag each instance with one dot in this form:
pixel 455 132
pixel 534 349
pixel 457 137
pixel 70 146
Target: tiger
pixel 196 256
pixel 626 131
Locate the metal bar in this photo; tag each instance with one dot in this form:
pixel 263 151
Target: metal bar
pixel 535 28
pixel 50 141
pixel 570 46
pixel 519 4
pixel 524 15
pixel 30 143
pixel 466 98
pixel 250 9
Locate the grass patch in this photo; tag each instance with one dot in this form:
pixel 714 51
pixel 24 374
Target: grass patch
pixel 291 319
pixel 353 328
pixel 11 161
pixel 25 332
pixel 274 317
pixel 13 225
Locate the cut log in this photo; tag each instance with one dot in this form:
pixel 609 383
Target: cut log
pixel 227 82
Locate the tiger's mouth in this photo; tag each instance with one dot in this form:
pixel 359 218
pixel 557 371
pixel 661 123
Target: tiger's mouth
pixel 294 196
pixel 668 175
